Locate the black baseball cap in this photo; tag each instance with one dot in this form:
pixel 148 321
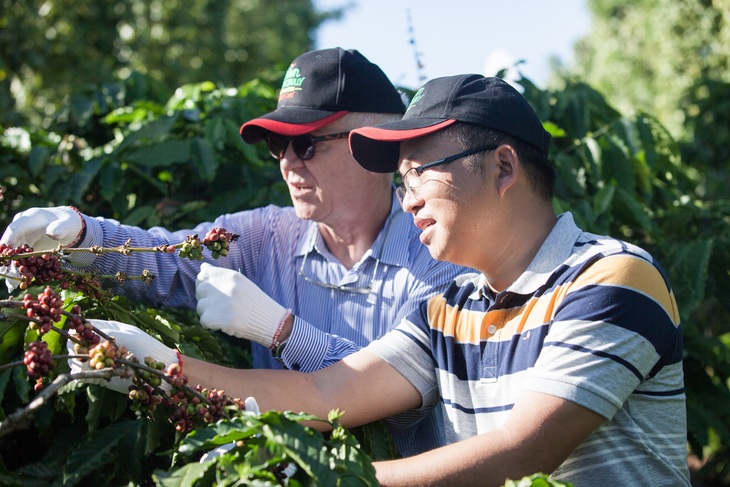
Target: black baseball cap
pixel 468 98
pixel 321 86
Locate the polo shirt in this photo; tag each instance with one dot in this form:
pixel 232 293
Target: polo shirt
pixel 592 320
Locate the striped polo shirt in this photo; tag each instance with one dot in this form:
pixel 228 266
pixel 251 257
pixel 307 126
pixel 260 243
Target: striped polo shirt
pixel 592 320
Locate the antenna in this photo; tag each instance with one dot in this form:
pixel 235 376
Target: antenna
pixel 416 53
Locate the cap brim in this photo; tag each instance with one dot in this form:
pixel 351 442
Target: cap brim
pixel 377 149
pixel 289 122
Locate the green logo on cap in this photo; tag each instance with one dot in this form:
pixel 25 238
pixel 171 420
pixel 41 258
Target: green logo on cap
pixel 419 94
pixel 293 81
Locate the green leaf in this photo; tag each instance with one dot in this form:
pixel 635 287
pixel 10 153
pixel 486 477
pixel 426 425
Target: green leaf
pixel 215 132
pixel 617 164
pixel 376 441
pixel 37 159
pixel 690 264
pixel 603 199
pixel 95 450
pixel 139 215
pixel 11 336
pixel 154 131
pixel 185 476
pixel 160 154
pixel 553 129
pixel 81 180
pixel 4 381
pixel 110 177
pixel 638 214
pixel 22 385
pixel 220 433
pixel 205 158
pixel 536 480
pixel 103 404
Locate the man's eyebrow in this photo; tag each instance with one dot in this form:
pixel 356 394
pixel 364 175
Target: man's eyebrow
pixel 413 154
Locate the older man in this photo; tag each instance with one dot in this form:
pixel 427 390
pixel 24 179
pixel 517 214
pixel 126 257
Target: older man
pixel 308 284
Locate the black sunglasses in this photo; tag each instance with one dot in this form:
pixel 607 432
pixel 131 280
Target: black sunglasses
pixel 303 145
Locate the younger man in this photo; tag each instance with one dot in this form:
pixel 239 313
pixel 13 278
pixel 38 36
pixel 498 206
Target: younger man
pixel 562 355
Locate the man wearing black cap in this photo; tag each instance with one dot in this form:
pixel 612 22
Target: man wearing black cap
pixel 307 284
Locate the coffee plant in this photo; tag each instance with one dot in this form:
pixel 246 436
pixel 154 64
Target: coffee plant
pixel 273 448
pixel 217 441
pixel 621 175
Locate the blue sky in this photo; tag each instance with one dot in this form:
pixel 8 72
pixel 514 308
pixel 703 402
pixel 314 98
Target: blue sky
pixel 458 36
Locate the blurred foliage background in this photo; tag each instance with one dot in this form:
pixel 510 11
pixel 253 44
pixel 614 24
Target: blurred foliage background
pixel 130 109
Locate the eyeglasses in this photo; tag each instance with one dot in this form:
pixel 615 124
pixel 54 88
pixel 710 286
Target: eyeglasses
pixel 303 145
pixel 412 178
pixel 341 287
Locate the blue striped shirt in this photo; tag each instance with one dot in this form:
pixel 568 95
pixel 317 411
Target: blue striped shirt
pixel 329 324
pixel 593 321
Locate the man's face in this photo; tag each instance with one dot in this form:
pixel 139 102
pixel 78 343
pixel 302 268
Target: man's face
pixel 331 185
pixel 451 202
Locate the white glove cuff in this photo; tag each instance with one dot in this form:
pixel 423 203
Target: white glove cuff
pixel 266 317
pixel 94 237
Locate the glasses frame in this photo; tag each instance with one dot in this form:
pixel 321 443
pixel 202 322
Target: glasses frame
pixel 343 288
pixel 303 152
pixel 340 287
pixel 412 190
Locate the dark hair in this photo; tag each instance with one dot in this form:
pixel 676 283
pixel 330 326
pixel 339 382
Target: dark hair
pixel 540 171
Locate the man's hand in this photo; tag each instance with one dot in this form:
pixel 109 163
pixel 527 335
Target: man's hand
pixel 135 341
pixel 45 228
pixel 230 302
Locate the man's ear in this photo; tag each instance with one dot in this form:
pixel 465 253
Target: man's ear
pixel 508 165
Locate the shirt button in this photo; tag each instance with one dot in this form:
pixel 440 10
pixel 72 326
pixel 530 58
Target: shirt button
pixel 492 329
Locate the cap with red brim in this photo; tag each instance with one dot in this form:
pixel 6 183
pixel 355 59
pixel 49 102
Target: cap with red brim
pixel 469 98
pixel 322 86
pixel 377 149
pixel 288 121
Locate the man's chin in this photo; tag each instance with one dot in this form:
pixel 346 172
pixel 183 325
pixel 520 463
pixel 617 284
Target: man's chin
pixel 304 211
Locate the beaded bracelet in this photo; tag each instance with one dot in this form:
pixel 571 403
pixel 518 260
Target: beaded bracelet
pixel 77 239
pixel 275 338
pixel 179 361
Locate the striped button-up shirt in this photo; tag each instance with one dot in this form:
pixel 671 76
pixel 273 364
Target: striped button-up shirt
pixel 283 254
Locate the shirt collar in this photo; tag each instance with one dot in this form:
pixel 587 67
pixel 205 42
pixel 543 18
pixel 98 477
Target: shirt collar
pixel 555 250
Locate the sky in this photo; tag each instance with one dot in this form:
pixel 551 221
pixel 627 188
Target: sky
pixel 457 36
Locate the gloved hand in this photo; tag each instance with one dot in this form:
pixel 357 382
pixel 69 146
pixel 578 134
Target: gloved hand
pixel 134 340
pixel 230 302
pixel 45 228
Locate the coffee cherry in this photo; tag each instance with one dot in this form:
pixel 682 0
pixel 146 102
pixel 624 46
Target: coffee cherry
pixel 37 360
pixel 47 309
pixel 218 240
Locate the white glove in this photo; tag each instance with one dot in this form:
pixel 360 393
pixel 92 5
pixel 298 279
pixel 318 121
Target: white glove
pixel 45 228
pixel 230 302
pixel 251 405
pixel 134 340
